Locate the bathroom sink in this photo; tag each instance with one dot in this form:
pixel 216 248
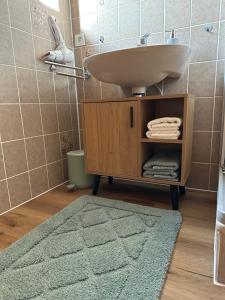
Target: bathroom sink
pixel 139 68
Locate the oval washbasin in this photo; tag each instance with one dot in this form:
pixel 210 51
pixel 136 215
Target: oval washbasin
pixel 139 67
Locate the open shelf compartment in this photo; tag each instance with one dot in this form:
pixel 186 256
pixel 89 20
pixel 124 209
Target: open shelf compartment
pixel 151 108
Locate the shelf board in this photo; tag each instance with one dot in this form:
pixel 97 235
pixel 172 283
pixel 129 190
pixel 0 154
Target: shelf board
pixel 161 181
pixel 161 141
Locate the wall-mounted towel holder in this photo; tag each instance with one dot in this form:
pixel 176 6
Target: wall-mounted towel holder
pixel 53 67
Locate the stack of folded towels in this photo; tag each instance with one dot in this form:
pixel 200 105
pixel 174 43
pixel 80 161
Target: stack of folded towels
pixel 163 165
pixel 164 128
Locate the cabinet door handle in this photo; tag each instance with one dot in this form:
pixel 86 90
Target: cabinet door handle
pixel 131 116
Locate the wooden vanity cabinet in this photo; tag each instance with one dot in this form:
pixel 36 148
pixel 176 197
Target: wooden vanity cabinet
pixel 111 138
pixel 115 144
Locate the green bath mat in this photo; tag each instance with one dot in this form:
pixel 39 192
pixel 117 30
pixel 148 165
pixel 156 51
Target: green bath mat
pixel 94 249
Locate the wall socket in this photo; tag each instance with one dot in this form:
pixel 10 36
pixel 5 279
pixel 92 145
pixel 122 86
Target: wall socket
pixel 80 39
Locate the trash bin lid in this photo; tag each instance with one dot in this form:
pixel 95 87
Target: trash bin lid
pixel 76 153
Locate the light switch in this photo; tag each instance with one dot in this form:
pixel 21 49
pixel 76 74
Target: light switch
pixel 80 39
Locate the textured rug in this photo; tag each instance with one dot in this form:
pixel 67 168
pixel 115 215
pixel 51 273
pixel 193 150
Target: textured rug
pixel 94 249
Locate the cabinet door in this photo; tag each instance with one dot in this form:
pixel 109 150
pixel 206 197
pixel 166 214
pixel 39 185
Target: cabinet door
pixel 114 130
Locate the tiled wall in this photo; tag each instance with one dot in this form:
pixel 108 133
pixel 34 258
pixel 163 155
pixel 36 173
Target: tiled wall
pixel 38 110
pixel 121 22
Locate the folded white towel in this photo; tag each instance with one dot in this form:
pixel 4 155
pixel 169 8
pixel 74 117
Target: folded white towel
pixel 173 135
pixel 165 122
pixel 164 129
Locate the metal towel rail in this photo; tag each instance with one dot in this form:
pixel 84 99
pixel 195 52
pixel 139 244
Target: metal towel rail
pixel 53 67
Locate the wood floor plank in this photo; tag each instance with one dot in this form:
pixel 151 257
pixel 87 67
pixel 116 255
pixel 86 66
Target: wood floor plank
pixel 191 269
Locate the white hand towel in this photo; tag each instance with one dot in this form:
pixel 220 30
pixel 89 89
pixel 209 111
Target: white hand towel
pixel 173 135
pixel 164 122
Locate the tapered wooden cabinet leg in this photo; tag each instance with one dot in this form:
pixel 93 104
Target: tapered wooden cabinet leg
pixel 182 190
pixel 174 197
pixel 110 180
pixel 96 184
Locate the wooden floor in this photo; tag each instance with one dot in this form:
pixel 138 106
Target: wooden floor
pixel 191 270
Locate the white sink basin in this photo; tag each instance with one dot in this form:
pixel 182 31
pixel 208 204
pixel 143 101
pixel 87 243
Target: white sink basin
pixel 139 67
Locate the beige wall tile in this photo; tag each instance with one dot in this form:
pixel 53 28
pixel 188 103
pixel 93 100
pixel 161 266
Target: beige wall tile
pixel 6 50
pixel 222 41
pixel 68 35
pixel 20 14
pixel 177 13
pixel 72 90
pixel 65 169
pixel 61 89
pixel 15 157
pixel 49 118
pixel 52 144
pixel 10 122
pixel 176 86
pixel 2 171
pixel 218 114
pixel 66 142
pixel 38 181
pixel 31 119
pixel 203 44
pixel 4 15
pixel 214 175
pixel 92 89
pixel 220 78
pixel 80 90
pixel 201 79
pixel 66 9
pixel 129 20
pixel 41 47
pixel 27 83
pixel 39 15
pixel 205 11
pixel 203 114
pixel 75 8
pixel 4 198
pixel 108 23
pixel 109 91
pixel 76 140
pixel 55 174
pixel 76 28
pixel 201 147
pixel 8 85
pixel 35 152
pixel 152 16
pixel 19 189
pixel 74 116
pixel 64 116
pixel 23 49
pixel 46 87
pixel 199 177
pixel 216 137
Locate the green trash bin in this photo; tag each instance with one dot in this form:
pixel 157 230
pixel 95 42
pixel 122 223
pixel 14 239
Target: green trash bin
pixel 77 175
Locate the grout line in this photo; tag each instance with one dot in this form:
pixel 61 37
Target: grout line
pixel 42 127
pixel 36 136
pixel 57 116
pixel 34 169
pixel 4 167
pixel 75 90
pixel 49 190
pixel 214 97
pixel 17 84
